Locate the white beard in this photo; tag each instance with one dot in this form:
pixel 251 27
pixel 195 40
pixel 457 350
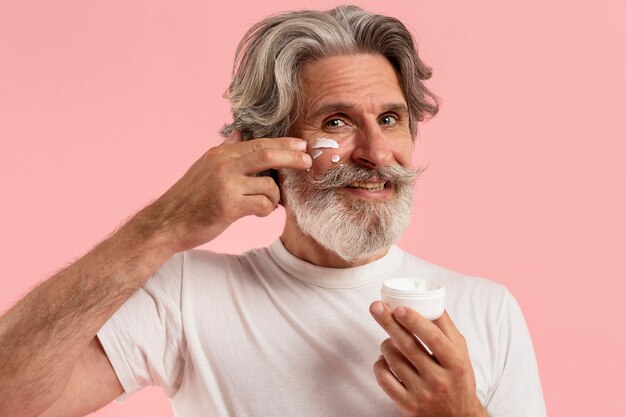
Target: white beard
pixel 351 227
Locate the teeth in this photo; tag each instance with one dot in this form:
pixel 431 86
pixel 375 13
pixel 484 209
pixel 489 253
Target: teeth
pixel 370 186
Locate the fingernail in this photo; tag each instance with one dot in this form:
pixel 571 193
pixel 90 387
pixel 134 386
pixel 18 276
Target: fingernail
pixel 307 159
pixel 377 309
pixel 300 145
pixel 399 312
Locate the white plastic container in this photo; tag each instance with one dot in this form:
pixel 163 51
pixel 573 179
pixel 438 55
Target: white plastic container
pixel 426 297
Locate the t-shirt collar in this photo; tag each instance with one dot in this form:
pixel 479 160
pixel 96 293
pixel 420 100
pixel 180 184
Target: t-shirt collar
pixel 335 277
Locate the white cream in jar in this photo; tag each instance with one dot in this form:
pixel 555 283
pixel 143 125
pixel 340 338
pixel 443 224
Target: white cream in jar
pixel 426 297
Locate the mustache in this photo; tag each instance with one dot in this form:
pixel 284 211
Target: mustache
pixel 344 175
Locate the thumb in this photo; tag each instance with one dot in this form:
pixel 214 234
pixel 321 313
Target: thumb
pixel 235 137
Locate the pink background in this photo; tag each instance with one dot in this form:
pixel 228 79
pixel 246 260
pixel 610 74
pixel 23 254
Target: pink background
pixel 103 105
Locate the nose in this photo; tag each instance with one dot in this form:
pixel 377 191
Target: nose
pixel 372 149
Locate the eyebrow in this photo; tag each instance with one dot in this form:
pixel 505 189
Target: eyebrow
pixel 342 107
pixel 397 107
pixel 332 108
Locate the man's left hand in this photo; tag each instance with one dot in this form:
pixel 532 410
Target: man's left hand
pixel 419 383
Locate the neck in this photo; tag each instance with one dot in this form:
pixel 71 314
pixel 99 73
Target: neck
pixel 307 249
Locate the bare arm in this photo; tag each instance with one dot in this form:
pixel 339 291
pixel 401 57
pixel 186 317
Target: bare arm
pixel 92 385
pixel 44 336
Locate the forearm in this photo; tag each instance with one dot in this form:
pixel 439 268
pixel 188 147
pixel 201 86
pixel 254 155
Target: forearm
pixel 43 335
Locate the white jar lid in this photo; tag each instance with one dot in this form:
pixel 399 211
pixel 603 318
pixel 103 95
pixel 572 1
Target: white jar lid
pixel 412 288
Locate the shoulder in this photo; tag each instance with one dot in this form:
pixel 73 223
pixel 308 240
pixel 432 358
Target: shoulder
pixel 200 261
pixel 211 270
pixel 186 269
pixel 470 299
pixel 455 282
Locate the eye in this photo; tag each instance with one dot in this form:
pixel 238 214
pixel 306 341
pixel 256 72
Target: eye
pixel 334 123
pixel 388 120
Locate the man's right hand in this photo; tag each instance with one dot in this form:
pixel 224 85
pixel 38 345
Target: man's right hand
pixel 222 187
pixel 50 359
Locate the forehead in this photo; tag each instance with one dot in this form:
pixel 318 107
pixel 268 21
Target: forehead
pixel 367 81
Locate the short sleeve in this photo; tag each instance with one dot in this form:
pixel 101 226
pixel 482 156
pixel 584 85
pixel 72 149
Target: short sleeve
pixel 517 391
pixel 144 339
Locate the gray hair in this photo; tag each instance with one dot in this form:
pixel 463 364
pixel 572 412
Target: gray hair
pixel 265 88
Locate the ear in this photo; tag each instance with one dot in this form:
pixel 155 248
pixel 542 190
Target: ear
pixel 278 179
pixel 235 137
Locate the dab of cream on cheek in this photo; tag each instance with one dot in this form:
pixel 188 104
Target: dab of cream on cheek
pixel 324 143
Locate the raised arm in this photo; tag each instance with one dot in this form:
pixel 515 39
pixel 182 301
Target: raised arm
pixel 45 338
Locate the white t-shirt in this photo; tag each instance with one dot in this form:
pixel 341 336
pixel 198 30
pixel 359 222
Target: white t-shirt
pixel 268 334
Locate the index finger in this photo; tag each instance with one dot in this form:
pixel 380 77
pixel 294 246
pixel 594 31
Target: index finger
pixel 271 158
pixel 447 326
pixel 399 326
pixel 256 145
pixel 436 338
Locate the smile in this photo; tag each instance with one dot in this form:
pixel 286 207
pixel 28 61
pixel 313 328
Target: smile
pixel 369 186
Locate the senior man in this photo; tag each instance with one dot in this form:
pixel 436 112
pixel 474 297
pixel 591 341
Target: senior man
pixel 282 330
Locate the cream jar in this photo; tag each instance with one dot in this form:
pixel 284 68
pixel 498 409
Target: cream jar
pixel 426 297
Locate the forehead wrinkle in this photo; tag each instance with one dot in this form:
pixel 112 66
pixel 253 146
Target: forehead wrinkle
pixel 322 92
pixel 341 89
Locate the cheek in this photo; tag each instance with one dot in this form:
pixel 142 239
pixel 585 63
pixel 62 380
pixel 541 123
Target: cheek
pixel 403 153
pixel 327 159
